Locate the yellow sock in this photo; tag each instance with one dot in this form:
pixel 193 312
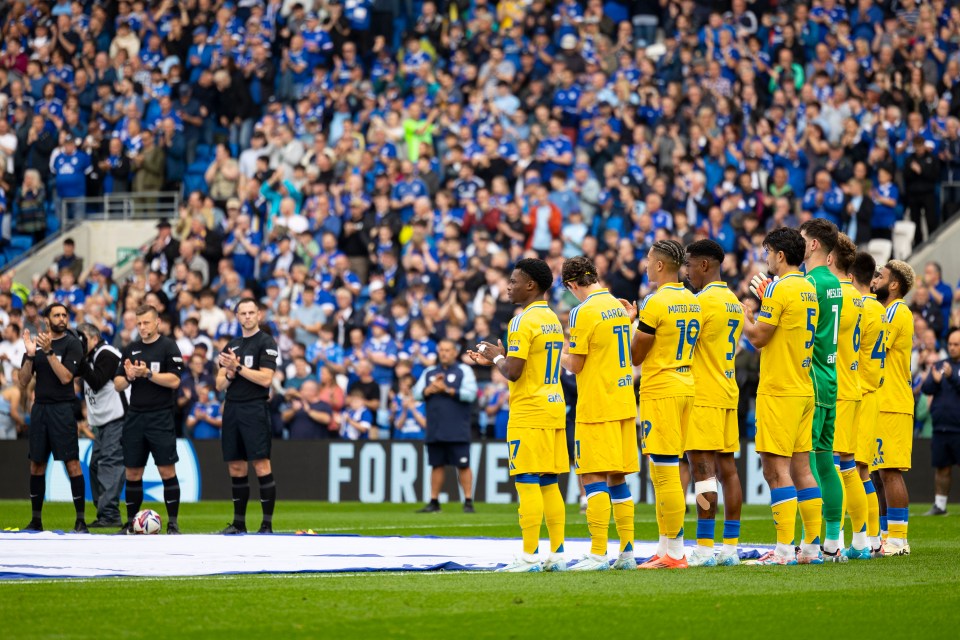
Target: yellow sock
pixel 531 510
pixel 783 504
pixel 554 512
pixel 873 509
pixel 856 499
pixel 656 503
pixel 598 517
pixel 897 522
pixel 623 515
pixel 810 504
pixel 669 495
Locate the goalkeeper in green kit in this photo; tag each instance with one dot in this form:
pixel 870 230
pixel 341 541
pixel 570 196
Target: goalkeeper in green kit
pixel 821 237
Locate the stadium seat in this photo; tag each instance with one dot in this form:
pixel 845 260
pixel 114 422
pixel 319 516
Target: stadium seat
pixel 21 242
pixel 903 234
pixel 204 151
pixel 880 249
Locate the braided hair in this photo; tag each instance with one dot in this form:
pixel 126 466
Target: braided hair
pixel 670 251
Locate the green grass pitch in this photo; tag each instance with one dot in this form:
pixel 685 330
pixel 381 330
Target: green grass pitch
pixel 888 598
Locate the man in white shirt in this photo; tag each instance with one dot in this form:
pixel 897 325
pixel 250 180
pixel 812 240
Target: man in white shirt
pixel 11 351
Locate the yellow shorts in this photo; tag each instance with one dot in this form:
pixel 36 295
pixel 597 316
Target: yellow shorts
pixel 866 429
pixel 894 438
pixel 846 426
pixel 784 424
pixel 606 447
pixel 537 450
pixel 712 429
pixel 663 424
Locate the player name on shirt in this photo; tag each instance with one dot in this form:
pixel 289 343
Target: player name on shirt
pixel 683 308
pixel 610 314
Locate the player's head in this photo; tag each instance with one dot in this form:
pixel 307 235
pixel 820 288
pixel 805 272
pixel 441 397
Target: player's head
pixel 531 278
pixel 863 269
pixel 664 261
pixel 785 249
pixel 820 237
pixel 579 274
pixel 148 320
pixel 704 258
pixel 58 317
pixel 843 255
pixel 447 352
pixel 953 343
pixel 92 335
pixel 248 313
pixel 895 281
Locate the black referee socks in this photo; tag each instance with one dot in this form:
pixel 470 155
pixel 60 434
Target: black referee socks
pixel 38 487
pixel 134 498
pixel 77 490
pixel 241 495
pixel 268 496
pixel 171 496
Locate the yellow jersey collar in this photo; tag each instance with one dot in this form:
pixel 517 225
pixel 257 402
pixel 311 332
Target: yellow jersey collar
pixel 670 285
pixel 536 303
pixel 595 293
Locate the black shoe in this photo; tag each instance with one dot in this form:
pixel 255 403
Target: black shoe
pixel 936 511
pixel 125 530
pixel 80 527
pixel 105 524
pixel 35 525
pixel 432 507
pixel 173 530
pixel 468 507
pixel 232 530
pixel 266 527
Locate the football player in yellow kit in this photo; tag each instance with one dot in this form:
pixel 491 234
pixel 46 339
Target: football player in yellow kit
pixel 536 434
pixel 605 446
pixel 784 332
pixel 849 396
pixel 894 432
pixel 872 360
pixel 669 325
pixel 713 435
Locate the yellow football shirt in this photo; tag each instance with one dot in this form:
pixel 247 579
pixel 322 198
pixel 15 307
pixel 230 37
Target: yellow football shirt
pixel 713 359
pixel 536 399
pixel 674 314
pixel 790 304
pixel 873 347
pixel 849 337
pixel 896 394
pixel 600 330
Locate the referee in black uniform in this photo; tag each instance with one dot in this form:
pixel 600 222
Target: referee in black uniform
pixel 54 356
pixel 247 366
pixel 151 366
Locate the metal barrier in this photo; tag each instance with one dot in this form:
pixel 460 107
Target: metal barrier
pixel 119 206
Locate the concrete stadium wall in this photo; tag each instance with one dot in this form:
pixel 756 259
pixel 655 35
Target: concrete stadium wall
pixel 378 472
pixel 101 241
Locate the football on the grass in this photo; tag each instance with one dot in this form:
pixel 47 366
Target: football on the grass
pixel 147 521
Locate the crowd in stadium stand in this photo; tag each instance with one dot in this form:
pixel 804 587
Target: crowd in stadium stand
pixel 371 169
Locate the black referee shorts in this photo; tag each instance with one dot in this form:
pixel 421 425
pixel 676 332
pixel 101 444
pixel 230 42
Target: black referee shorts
pixel 146 433
pixel 448 454
pixel 247 432
pixel 53 429
pixel 945 449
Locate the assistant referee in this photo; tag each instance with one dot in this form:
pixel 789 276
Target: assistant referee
pixel 54 356
pixel 151 366
pixel 247 366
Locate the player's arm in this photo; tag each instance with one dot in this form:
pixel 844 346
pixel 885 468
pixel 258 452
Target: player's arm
pixel 581 330
pixel 649 315
pixel 760 330
pixel 511 366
